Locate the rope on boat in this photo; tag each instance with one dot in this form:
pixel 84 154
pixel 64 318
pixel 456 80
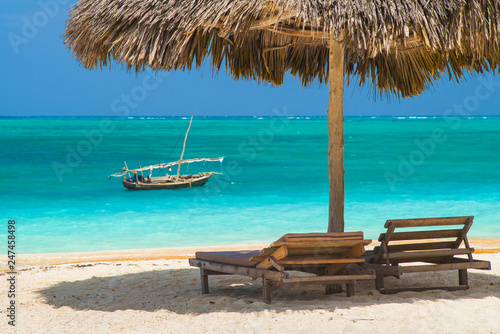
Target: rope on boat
pixel 179 137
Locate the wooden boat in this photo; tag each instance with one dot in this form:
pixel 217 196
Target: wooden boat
pixel 162 182
pixel 136 181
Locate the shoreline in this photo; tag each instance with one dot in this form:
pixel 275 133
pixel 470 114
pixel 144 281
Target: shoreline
pixel 481 246
pixel 157 291
pixel 144 254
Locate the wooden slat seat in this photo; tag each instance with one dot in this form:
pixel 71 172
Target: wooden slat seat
pixel 239 258
pixel 418 246
pixel 419 222
pixel 302 261
pixel 417 256
pixel 324 255
pixel 301 237
pixel 437 249
pixel 420 235
pixel 306 249
pixel 319 244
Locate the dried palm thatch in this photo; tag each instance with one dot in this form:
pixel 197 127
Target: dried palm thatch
pixel 400 46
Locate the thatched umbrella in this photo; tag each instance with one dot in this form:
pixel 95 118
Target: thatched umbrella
pixel 400 46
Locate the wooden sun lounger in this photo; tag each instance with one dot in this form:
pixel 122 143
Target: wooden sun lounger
pixel 437 249
pixel 324 255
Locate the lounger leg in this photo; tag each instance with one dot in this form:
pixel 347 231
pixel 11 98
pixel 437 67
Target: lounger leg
pixel 204 282
pixel 462 277
pixel 350 289
pixel 379 281
pixel 266 291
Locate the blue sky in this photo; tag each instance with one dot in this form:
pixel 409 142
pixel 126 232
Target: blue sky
pixel 41 78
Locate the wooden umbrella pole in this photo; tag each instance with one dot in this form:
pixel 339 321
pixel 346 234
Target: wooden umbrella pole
pixel 336 136
pixel 184 147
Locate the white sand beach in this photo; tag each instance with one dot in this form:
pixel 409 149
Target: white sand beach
pixel 156 291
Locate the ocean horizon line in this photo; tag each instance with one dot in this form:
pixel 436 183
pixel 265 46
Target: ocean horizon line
pixel 150 117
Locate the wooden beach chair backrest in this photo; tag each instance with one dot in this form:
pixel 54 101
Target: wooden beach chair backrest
pixel 439 245
pixel 333 250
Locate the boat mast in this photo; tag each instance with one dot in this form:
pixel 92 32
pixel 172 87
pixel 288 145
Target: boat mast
pixel 140 167
pixel 126 168
pixel 183 148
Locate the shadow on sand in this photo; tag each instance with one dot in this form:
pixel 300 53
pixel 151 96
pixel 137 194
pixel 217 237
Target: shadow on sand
pixel 178 290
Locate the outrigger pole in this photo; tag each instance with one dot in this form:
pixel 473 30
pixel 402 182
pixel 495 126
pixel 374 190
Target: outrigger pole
pixel 183 148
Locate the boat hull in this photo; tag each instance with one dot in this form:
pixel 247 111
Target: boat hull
pixel 197 181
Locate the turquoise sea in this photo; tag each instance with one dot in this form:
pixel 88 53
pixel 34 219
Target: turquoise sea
pixel 54 178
